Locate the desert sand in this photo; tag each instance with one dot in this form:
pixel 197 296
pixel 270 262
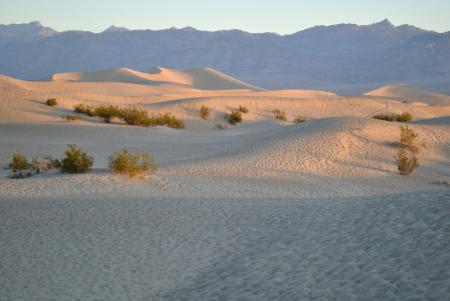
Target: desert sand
pixel 265 210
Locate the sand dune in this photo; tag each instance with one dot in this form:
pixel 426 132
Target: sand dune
pixel 265 210
pixel 411 94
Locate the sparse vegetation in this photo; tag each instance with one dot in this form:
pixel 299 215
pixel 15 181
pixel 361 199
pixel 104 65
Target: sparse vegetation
pixel 220 126
pixel 51 102
pixel 234 117
pixel 84 109
pixel 300 119
pixel 132 164
pixel 406 156
pixel 243 109
pixel 205 112
pixel 75 161
pixel 108 112
pixel 135 116
pixel 20 167
pixel 403 117
pixel 280 115
pixel 407 161
pixel 72 117
pixel 168 120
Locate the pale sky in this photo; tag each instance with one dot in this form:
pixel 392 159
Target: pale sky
pixel 281 16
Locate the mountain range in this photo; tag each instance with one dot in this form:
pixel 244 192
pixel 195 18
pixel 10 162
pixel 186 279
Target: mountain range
pixel 344 58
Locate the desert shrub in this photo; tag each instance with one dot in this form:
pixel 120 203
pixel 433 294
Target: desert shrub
pixel 75 161
pixel 234 117
pixel 72 117
pixel 84 109
pixel 243 109
pixel 167 119
pixel 135 116
pixel 403 117
pixel 205 112
pixel 300 119
pixel 20 167
pixel 406 161
pixel 407 137
pixel 280 115
pixel 108 112
pixel 51 102
pixel 124 162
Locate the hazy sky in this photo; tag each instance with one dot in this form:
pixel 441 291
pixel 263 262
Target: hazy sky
pixel 282 16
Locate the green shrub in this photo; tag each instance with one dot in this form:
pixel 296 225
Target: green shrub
pixel 234 117
pixel 243 109
pixel 51 102
pixel 72 117
pixel 300 119
pixel 403 117
pixel 75 161
pixel 124 162
pixel 280 115
pixel 84 109
pixel 167 119
pixel 205 112
pixel 407 161
pixel 108 112
pixel 20 167
pixel 135 116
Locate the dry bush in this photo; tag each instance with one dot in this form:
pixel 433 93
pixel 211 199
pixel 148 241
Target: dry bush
pixel 300 119
pixel 72 117
pixel 168 120
pixel 108 112
pixel 135 116
pixel 408 137
pixel 243 109
pixel 51 102
pixel 407 161
pixel 220 126
pixel 132 164
pixel 205 112
pixel 280 115
pixel 84 109
pixel 403 117
pixel 234 117
pixel 75 161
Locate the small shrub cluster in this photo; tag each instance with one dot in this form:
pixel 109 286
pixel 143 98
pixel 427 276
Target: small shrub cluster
pixel 84 109
pixel 234 117
pixel 22 168
pixel 108 112
pixel 243 109
pixel 131 116
pixel 406 156
pixel 300 119
pixel 75 161
pixel 132 164
pixel 280 115
pixel 51 102
pixel 205 112
pixel 403 117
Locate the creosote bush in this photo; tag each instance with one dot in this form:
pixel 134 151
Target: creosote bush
pixel 51 102
pixel 84 109
pixel 234 117
pixel 280 115
pixel 243 109
pixel 205 112
pixel 132 164
pixel 406 156
pixel 75 161
pixel 20 167
pixel 108 112
pixel 403 117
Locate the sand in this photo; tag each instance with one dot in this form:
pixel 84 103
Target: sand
pixel 266 210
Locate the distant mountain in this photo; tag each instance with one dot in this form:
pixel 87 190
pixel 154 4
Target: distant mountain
pixel 345 58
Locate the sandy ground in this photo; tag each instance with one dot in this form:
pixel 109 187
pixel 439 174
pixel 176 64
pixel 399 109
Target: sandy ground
pixel 266 210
